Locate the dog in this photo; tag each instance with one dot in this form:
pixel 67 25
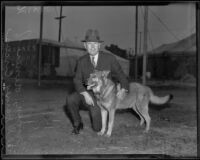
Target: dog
pixel 138 98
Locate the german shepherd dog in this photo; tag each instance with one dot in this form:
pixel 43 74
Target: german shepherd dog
pixel 138 98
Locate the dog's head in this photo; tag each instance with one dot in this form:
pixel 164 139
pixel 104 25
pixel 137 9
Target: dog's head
pixel 96 80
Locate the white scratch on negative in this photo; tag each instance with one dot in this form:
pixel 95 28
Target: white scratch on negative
pixel 28 122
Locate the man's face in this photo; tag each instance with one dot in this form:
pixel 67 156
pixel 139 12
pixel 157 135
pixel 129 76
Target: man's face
pixel 92 47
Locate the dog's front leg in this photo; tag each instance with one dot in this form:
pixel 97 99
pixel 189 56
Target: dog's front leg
pixel 110 122
pixel 104 114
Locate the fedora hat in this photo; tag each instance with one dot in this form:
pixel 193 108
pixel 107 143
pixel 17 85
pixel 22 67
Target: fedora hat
pixel 92 36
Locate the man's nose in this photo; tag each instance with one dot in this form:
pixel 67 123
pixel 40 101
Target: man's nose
pixel 93 46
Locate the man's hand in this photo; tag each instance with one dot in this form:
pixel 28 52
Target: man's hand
pixel 121 94
pixel 88 98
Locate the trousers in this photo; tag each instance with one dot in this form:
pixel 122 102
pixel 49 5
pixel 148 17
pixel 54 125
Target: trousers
pixel 76 102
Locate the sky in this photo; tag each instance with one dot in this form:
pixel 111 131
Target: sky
pixel 116 24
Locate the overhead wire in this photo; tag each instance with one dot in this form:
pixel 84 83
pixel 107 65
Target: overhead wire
pixel 166 27
pixel 150 39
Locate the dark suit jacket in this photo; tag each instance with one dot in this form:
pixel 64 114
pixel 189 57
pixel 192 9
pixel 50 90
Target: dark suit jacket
pixel 105 62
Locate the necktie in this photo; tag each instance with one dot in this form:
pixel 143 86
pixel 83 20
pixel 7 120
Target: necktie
pixel 93 62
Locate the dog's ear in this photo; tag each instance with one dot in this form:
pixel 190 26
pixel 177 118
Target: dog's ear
pixel 105 73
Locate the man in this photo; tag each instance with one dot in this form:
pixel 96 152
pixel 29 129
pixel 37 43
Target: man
pixel 82 98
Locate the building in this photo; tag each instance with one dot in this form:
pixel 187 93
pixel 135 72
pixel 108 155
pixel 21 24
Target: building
pixel 57 59
pixel 171 61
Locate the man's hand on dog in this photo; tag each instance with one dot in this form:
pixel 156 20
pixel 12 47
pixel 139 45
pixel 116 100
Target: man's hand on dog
pixel 121 94
pixel 88 98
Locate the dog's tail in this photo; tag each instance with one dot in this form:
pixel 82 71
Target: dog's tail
pixel 160 100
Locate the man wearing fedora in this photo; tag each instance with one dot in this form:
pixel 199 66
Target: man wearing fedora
pixel 82 98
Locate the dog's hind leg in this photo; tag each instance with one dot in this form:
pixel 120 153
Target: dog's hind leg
pixel 138 112
pixel 148 121
pixel 143 108
pixel 104 115
pixel 110 122
pixel 145 113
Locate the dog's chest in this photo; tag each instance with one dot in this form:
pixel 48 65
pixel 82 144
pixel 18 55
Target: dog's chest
pixel 106 103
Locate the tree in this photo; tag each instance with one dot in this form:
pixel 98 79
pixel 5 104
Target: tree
pixel 117 51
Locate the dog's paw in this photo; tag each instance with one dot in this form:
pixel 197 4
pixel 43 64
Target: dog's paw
pixel 100 133
pixel 108 134
pixel 145 131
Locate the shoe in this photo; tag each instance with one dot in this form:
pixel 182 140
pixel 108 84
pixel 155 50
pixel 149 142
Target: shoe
pixel 78 128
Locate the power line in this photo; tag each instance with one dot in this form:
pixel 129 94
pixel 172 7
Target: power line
pixel 151 42
pixel 178 29
pixel 169 30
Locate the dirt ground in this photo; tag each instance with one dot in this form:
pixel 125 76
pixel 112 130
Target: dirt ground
pixel 36 124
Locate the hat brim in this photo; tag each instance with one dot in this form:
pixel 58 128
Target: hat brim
pixel 92 41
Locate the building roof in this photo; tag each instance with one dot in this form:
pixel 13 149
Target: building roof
pixel 186 45
pixel 65 44
pixel 68 44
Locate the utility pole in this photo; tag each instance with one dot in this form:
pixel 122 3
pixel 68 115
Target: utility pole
pixel 140 42
pixel 40 45
pixel 145 44
pixel 136 38
pixel 198 75
pixel 60 23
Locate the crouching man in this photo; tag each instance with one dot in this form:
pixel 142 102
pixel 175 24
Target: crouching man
pixel 84 99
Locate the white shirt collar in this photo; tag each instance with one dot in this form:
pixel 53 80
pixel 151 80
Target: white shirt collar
pixel 95 58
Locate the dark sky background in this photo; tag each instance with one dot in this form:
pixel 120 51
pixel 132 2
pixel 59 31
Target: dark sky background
pixel 116 24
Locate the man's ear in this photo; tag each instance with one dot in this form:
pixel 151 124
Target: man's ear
pixel 85 45
pixel 99 46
